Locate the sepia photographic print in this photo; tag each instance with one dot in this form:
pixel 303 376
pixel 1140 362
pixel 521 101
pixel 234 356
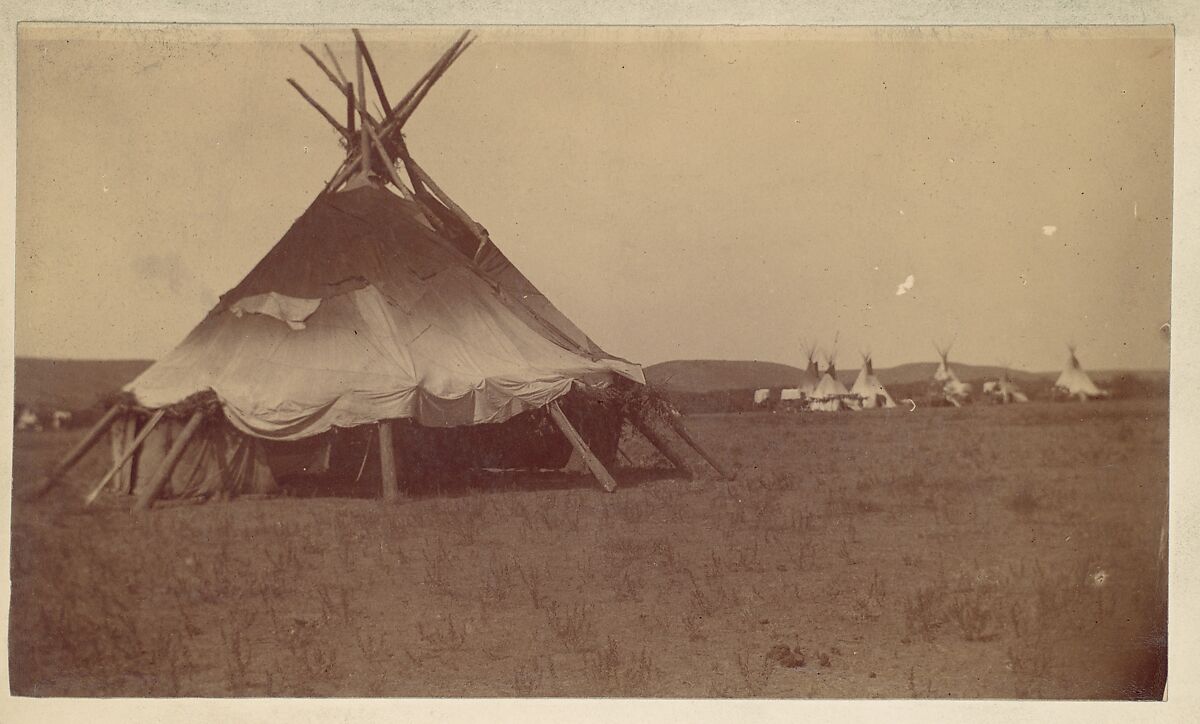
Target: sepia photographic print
pixel 592 362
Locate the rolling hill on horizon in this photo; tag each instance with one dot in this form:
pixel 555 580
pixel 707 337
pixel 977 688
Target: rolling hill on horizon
pixel 71 384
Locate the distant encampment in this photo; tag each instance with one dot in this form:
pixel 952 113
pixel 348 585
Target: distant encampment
pixel 731 385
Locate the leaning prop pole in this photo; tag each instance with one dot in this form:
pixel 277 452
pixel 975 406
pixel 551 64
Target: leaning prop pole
pixel 675 420
pixel 129 451
pixel 75 454
pixel 589 458
pixel 643 424
pixel 149 494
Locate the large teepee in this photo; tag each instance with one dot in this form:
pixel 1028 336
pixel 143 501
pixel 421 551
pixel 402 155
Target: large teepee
pixel 1074 383
pixel 384 308
pixel 869 389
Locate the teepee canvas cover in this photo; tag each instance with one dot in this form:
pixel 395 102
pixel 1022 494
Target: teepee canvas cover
pixel 1074 382
pixel 362 313
pixel 869 389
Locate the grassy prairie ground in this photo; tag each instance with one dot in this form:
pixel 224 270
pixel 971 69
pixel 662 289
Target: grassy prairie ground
pixel 982 552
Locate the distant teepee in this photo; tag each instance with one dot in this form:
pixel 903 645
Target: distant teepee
pixel 831 395
pixel 1074 382
pixel 946 387
pixel 869 389
pixel 808 381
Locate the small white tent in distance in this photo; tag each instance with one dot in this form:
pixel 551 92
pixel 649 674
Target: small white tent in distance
pixel 945 387
pixel 1074 383
pixel 803 392
pixel 831 395
pixel 868 388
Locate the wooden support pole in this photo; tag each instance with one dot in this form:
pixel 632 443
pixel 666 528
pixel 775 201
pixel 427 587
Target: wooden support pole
pixel 387 461
pixel 336 65
pixel 643 424
pixel 328 117
pixel 589 458
pixel 622 453
pixel 401 117
pixel 76 453
pixel 410 101
pixel 395 178
pixel 149 494
pixel 675 420
pixel 387 160
pixel 125 476
pixel 402 153
pixel 328 73
pixel 364 147
pixel 346 87
pixel 475 229
pixel 362 44
pixel 125 456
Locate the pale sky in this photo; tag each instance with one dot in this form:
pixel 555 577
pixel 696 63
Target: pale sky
pixel 700 193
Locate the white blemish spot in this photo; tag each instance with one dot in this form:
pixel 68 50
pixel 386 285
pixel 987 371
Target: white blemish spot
pixel 905 286
pixel 1049 230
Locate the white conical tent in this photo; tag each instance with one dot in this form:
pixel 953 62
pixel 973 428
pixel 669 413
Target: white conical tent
pixel 831 395
pixel 946 386
pixel 808 381
pixel 1074 382
pixel 869 389
pixel 378 304
pixel 812 376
